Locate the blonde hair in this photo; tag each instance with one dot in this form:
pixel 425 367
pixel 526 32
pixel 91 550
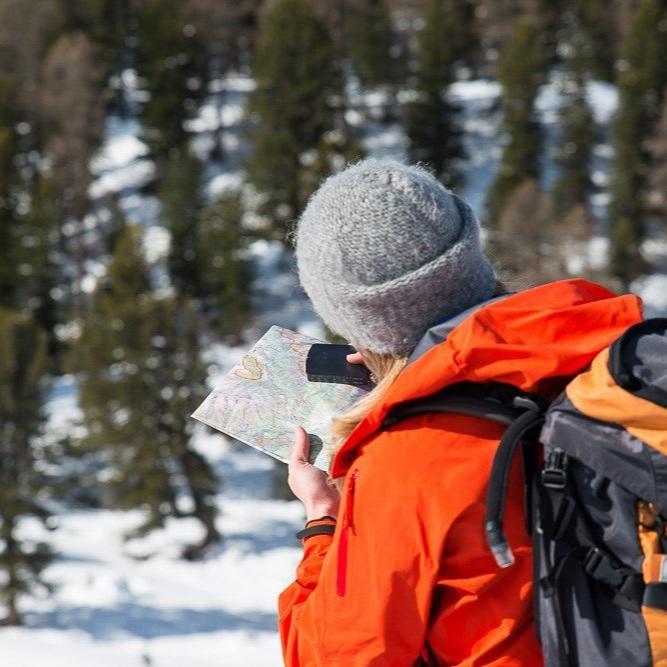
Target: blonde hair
pixel 385 369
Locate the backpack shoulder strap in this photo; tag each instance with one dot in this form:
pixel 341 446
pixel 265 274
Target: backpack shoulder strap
pixel 497 401
pixel 522 413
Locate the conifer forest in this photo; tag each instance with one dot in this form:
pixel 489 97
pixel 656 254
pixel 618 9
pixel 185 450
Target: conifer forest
pixel 154 158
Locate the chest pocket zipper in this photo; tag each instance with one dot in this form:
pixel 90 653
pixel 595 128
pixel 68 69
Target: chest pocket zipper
pixel 348 523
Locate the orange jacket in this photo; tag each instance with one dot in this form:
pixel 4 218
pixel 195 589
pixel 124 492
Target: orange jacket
pixel 407 573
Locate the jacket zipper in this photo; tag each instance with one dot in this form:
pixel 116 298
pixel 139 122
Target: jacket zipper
pixel 348 519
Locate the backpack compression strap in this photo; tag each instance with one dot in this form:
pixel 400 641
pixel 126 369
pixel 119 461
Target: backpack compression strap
pixel 523 414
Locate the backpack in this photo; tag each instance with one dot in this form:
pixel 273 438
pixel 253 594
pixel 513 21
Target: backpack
pixel 595 476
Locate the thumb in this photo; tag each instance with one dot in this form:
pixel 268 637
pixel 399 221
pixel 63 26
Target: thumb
pixel 301 446
pixel 354 358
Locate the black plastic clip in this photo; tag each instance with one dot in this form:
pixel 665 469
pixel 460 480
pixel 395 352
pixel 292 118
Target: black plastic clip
pixel 554 475
pixel 601 567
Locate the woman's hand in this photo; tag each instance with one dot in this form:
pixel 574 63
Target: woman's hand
pixel 308 483
pixel 355 358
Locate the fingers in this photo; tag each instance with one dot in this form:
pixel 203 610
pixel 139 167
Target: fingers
pixel 355 358
pixel 301 446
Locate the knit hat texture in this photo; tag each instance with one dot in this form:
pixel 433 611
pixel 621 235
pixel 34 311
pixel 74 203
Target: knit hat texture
pixel 384 251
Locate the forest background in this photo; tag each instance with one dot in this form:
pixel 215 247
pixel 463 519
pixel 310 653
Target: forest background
pixel 154 156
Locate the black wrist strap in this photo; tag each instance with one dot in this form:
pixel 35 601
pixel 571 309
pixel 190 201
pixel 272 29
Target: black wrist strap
pixel 324 529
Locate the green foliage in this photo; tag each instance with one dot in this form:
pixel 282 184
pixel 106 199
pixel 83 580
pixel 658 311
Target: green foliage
pixel 432 121
pixel 520 73
pixel 573 157
pixel 182 204
pixel 597 24
pixel 34 258
pixel 8 181
pixel 141 377
pixel 296 75
pixel 22 383
pixel 641 78
pixel 172 61
pixel 226 271
pixel 370 37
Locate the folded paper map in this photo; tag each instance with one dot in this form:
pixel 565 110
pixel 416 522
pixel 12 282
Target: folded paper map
pixel 267 395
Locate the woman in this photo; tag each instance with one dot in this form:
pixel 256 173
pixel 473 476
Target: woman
pixel 395 569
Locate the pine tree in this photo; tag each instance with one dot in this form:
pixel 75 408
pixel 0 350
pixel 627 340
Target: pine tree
pixel 520 73
pixel 141 377
pixel 658 174
pixel 573 157
pixel 177 386
pixel 182 203
pixel 641 78
pixel 34 260
pixel 432 121
pixel 227 29
pixel 296 76
pixel 8 193
pixel 597 24
pixel 226 270
pixel 370 38
pixel 171 59
pixel 22 384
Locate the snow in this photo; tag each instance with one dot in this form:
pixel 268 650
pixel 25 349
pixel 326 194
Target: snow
pixel 137 602
pixel 120 164
pixel 653 291
pixel 121 603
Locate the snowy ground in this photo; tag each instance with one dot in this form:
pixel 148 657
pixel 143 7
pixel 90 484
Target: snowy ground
pixel 137 602
pixel 127 604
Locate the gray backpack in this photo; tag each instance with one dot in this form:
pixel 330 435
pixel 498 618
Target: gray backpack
pixel 595 472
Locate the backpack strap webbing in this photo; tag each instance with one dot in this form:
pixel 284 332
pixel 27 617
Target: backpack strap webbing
pixel 562 520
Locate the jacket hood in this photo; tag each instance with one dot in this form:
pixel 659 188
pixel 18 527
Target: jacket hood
pixel 536 340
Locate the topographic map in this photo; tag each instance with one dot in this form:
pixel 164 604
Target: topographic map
pixel 267 395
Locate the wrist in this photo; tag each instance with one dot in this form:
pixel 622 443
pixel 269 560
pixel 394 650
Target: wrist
pixel 321 510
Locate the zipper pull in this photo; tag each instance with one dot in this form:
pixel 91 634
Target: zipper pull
pixel 348 522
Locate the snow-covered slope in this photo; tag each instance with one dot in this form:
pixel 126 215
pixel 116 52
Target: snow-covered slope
pixel 137 604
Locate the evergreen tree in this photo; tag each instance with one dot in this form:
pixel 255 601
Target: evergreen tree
pixel 171 59
pixel 177 387
pixel 370 38
pixel 520 73
pixel 8 193
pixel 34 260
pixel 296 76
pixel 463 37
pixel 226 271
pixel 141 377
pixel 658 175
pixel 641 78
pixel 227 29
pixel 182 203
pixel 432 121
pixel 117 224
pixel 573 157
pixel 597 24
pixel 22 384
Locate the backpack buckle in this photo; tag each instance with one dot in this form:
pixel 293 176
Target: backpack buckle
pixel 554 472
pixel 601 567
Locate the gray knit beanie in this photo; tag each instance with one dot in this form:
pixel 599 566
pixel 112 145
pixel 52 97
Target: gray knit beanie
pixel 384 251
